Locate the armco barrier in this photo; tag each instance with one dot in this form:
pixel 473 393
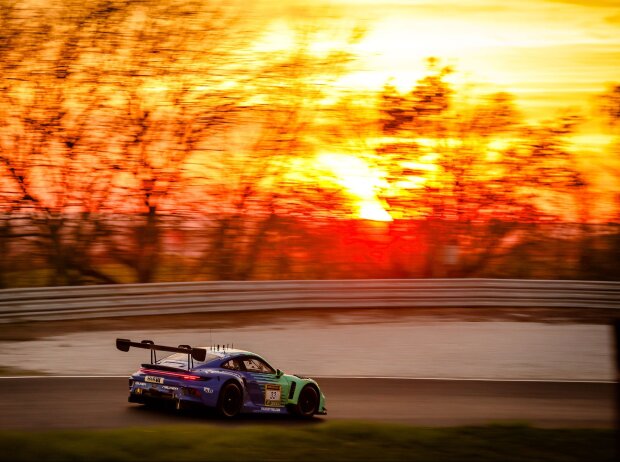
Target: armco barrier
pixel 58 303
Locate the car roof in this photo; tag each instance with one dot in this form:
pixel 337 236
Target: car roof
pixel 228 353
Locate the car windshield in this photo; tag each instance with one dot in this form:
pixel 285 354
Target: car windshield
pixel 180 360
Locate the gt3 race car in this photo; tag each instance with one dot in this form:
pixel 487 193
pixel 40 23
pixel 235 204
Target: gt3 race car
pixel 228 380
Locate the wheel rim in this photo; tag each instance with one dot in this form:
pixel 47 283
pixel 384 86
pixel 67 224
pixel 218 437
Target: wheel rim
pixel 230 401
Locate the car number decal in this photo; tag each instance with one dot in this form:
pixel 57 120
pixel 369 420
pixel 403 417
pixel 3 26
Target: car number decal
pixel 273 393
pixel 150 378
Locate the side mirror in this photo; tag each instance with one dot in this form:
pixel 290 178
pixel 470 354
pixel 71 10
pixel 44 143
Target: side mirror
pixel 279 373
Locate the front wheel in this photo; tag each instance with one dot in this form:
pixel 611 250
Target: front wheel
pixel 308 403
pixel 230 400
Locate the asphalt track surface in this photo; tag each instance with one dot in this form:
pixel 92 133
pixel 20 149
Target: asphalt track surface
pixel 30 403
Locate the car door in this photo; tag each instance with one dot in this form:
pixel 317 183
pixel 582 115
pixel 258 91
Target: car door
pixel 266 389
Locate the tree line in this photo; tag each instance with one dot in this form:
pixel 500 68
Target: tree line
pixel 143 141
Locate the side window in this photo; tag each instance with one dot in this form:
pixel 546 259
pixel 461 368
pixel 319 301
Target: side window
pixel 256 365
pixel 232 364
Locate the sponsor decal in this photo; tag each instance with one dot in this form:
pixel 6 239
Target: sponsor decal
pixel 273 394
pixel 208 390
pixel 151 379
pixel 271 409
pixel 141 384
pixel 168 387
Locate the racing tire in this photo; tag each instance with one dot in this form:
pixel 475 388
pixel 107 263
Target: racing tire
pixel 307 404
pixel 230 400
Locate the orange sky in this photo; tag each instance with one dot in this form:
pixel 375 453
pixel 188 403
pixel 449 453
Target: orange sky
pixel 550 53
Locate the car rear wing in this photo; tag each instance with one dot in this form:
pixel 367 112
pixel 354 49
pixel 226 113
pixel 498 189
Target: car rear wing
pixel 199 354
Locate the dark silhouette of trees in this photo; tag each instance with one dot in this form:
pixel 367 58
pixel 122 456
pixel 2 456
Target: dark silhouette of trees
pixel 104 103
pixel 610 105
pixel 143 141
pixel 486 165
pixel 252 191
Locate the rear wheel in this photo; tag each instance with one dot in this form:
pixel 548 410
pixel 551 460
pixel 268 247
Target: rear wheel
pixel 230 400
pixel 308 403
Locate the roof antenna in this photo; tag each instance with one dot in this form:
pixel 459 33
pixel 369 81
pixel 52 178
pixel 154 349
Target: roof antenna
pixel 211 336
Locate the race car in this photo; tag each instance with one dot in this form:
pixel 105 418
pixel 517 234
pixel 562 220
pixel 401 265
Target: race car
pixel 228 380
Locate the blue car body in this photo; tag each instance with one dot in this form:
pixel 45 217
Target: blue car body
pixel 218 374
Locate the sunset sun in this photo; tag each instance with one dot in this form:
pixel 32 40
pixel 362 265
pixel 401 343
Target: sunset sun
pixel 360 183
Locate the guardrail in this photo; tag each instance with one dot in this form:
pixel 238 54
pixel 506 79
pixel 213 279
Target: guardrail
pixel 61 303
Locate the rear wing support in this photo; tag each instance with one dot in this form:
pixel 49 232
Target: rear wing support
pixel 199 354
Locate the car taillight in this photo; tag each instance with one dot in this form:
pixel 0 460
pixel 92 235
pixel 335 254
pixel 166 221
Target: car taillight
pixel 171 374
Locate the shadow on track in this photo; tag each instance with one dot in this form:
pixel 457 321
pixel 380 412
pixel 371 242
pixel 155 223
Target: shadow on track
pixel 210 416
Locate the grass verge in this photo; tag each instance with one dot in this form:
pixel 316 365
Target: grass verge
pixel 7 371
pixel 336 441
